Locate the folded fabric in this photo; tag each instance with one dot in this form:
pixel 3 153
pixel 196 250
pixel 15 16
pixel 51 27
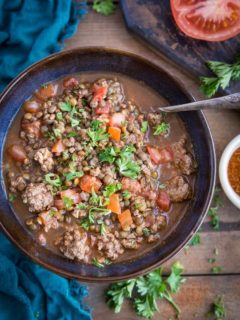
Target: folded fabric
pixel 28 291
pixel 32 29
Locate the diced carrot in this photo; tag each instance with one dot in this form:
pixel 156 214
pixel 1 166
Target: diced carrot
pixel 46 91
pixel 58 147
pixel 115 133
pixel 125 218
pixel 88 182
pixel 114 203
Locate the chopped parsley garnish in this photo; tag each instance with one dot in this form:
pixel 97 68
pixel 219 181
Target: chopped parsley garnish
pixel 111 188
pixel 99 211
pixel 72 175
pixel 68 203
pixel 146 232
pixel 87 222
pixel 108 155
pixel 71 134
pixel 57 132
pixel 196 240
pixel 96 132
pixel 126 194
pixel 82 206
pixel 211 260
pixel 12 197
pixel 66 106
pixel 128 168
pixel 59 116
pixel 138 205
pixel 161 186
pixel 127 151
pixel 105 7
pixel 53 179
pixel 216 269
pixel 162 128
pixel 84 102
pixel 95 199
pixel 213 211
pixel 144 126
pixel 74 122
pixel 103 228
pixel 148 290
pixel 218 309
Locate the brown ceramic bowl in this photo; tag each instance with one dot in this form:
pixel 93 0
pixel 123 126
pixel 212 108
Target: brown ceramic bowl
pixel 100 59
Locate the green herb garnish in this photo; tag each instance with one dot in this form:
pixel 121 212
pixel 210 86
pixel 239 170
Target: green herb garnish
pixel 126 194
pixel 96 132
pixel 71 134
pixel 162 128
pixel 211 260
pixel 108 155
pixel 82 206
pixel 12 197
pixel 213 211
pixel 216 269
pixel 149 288
pixel 68 203
pixel 57 132
pixel 72 175
pixel 53 179
pixel 218 309
pixel 127 151
pixel 196 240
pixel 74 122
pixel 111 188
pixel 105 7
pixel 97 263
pixel 144 126
pixel 66 106
pixel 146 232
pixel 224 73
pixel 128 168
pixel 59 116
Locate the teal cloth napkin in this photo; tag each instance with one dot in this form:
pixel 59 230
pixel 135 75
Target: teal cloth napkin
pixel 30 292
pixel 32 29
pixel 29 31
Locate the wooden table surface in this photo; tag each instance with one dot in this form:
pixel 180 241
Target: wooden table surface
pixel 201 286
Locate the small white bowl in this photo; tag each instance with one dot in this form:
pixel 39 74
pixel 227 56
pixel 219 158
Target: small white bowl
pixel 223 171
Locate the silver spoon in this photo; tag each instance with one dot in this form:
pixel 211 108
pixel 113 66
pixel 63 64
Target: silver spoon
pixel 231 101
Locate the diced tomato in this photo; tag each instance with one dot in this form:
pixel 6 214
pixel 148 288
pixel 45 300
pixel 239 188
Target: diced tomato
pixel 115 133
pixel 17 152
pixel 72 194
pixel 104 110
pixel 58 147
pixel 70 82
pixel 160 156
pixel 99 92
pixel 114 203
pixel 32 128
pixel 163 201
pixel 46 91
pixel 88 182
pixel 125 218
pixel 58 203
pixel 131 185
pixel 117 120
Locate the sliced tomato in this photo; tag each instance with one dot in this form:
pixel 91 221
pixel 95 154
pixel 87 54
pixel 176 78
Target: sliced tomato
pixel 70 82
pixel 99 92
pixel 211 20
pixel 131 185
pixel 46 91
pixel 163 201
pixel 58 147
pixel 104 110
pixel 88 182
pixel 72 194
pixel 117 119
pixel 32 128
pixel 160 156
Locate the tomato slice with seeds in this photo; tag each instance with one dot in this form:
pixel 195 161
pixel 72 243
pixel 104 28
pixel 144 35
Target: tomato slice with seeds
pixel 211 20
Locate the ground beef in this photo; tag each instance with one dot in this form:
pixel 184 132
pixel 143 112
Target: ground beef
pixel 45 159
pixel 73 244
pixel 37 197
pixel 178 189
pixel 109 246
pixel 154 118
pixel 182 159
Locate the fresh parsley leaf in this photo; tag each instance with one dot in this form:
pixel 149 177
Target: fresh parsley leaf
pixel 74 122
pixel 103 228
pixel 59 116
pixel 68 203
pixel 66 106
pixel 72 175
pixel 82 206
pixel 108 155
pixel 218 309
pixel 97 263
pixel 128 168
pixel 111 188
pixel 144 126
pixel 175 278
pixel 57 132
pixel 95 199
pixel 162 128
pixel 196 240
pixel 99 211
pixel 224 74
pixel 105 7
pixel 53 179
pixel 161 186
pixel 12 197
pixel 211 260
pixel 213 211
pixel 71 134
pixel 96 132
pixel 126 194
pixel 216 269
pixel 146 232
pixel 127 151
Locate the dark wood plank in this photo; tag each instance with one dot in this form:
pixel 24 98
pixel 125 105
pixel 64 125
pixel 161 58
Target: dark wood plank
pixel 153 22
pixel 194 299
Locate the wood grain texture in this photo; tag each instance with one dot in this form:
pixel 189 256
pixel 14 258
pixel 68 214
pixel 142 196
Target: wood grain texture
pixel 200 290
pixel 152 20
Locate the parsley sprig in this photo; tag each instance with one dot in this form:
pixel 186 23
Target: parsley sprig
pixel 105 7
pixel 161 128
pixel 224 73
pixel 218 309
pixel 96 132
pixel 213 211
pixel 149 288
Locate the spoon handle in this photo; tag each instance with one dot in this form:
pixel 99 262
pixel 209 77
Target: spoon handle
pixel 231 101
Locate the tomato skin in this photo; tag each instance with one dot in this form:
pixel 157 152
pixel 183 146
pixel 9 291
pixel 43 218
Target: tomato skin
pixel 99 92
pixel 207 20
pixel 16 152
pixel 70 83
pixel 47 91
pixel 160 156
pixel 88 182
pixel 163 201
